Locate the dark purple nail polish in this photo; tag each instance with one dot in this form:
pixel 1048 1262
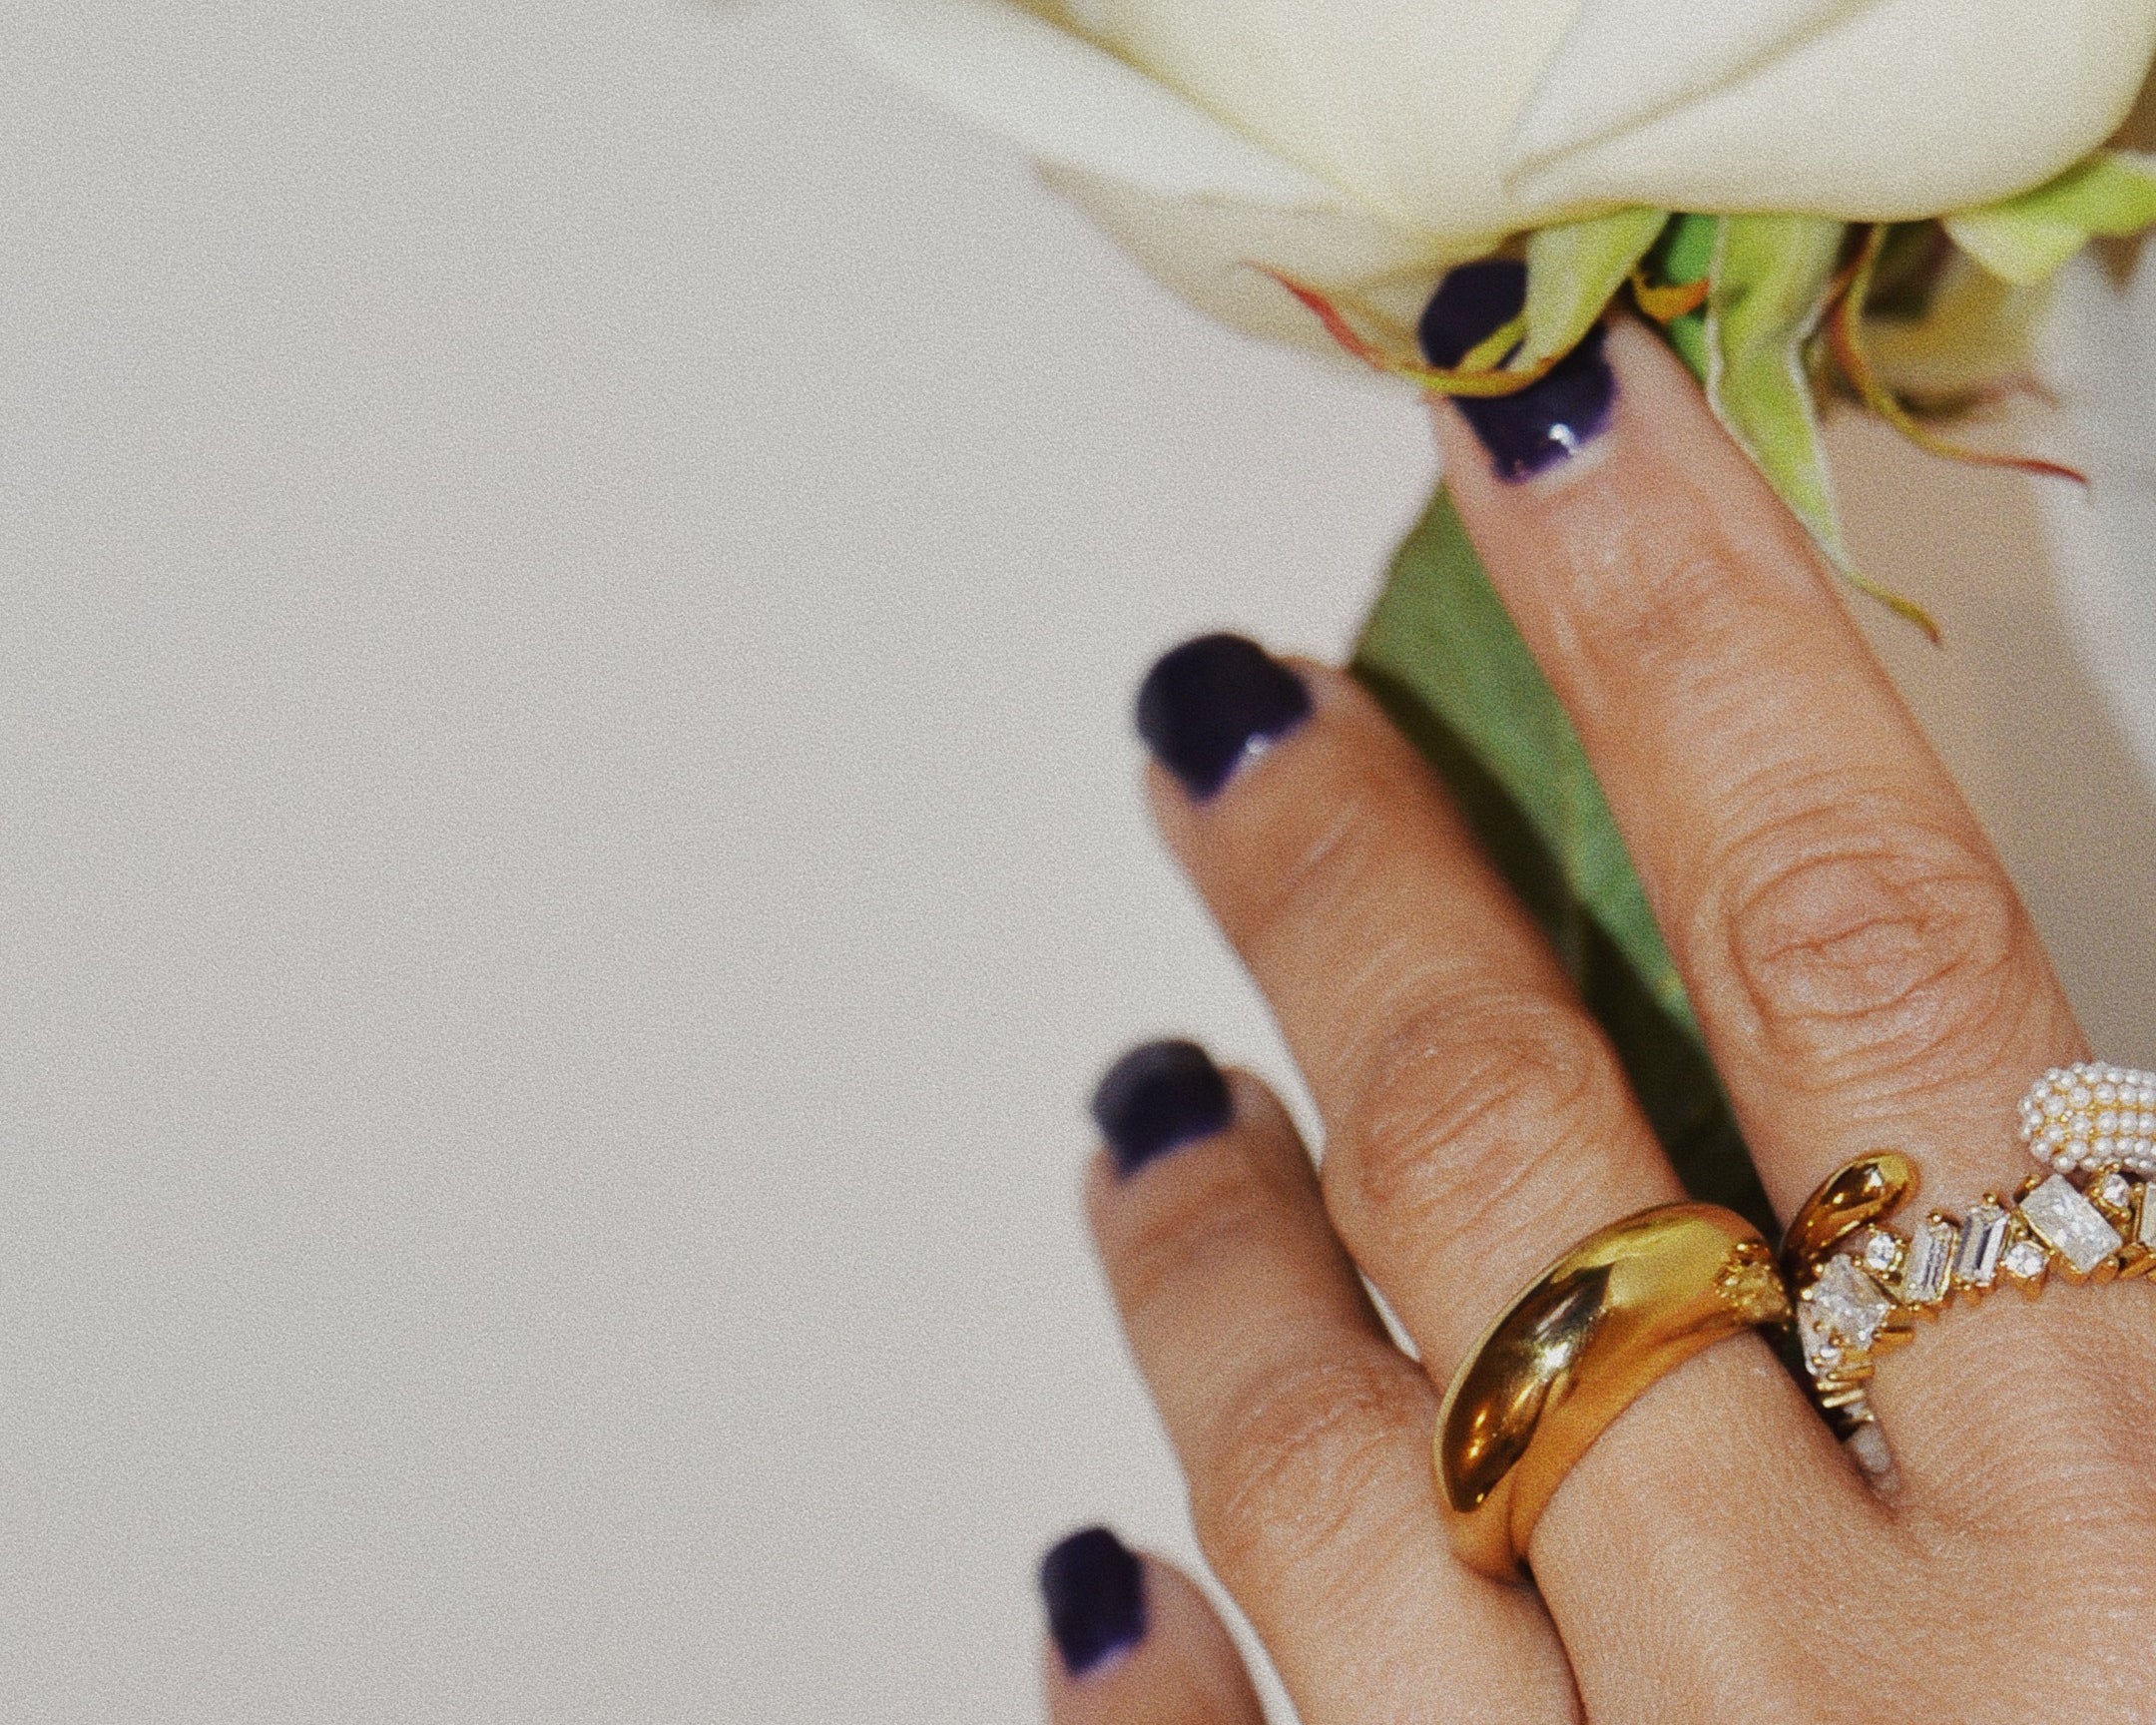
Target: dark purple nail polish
pixel 1157 1097
pixel 1209 704
pixel 1545 422
pixel 1095 1590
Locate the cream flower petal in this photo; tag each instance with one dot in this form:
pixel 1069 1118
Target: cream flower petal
pixel 1406 104
pixel 1065 101
pixel 1868 116
pixel 1623 62
pixel 1204 248
pixel 1199 206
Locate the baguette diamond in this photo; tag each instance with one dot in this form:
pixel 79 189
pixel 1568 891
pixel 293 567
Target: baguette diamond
pixel 1863 1280
pixel 1977 1264
pixel 1929 1262
pixel 2071 1225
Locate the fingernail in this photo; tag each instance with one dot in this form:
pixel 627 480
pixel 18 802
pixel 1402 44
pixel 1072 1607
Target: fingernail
pixel 1095 1591
pixel 1546 423
pixel 1211 704
pixel 1157 1097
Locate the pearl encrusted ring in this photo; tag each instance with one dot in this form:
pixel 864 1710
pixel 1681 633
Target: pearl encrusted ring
pixel 2089 1116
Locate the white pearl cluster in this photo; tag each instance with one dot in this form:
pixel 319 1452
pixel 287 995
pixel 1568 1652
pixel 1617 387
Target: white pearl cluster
pixel 2089 1115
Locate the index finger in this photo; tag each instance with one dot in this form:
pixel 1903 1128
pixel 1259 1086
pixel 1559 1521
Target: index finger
pixel 1864 971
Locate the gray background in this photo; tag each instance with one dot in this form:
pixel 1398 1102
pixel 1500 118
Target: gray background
pixel 572 577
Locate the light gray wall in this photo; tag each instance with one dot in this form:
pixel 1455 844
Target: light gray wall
pixel 572 577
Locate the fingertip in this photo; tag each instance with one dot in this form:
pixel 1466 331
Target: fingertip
pixel 1209 706
pixel 1130 1640
pixel 1157 1097
pixel 1337 709
pixel 1093 1590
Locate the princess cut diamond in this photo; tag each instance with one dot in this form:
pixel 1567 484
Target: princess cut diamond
pixel 2071 1225
pixel 1846 1307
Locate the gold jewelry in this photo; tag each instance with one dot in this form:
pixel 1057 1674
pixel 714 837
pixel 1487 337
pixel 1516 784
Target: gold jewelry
pixel 1624 1308
pixel 1861 1286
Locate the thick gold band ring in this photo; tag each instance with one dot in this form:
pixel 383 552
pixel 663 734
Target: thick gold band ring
pixel 1625 1307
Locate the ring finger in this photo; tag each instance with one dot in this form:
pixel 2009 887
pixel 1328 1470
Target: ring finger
pixel 1302 1431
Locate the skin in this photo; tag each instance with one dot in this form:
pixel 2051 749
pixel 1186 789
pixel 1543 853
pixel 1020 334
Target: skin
pixel 1867 976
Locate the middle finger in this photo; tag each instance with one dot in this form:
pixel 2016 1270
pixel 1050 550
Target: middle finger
pixel 1476 1121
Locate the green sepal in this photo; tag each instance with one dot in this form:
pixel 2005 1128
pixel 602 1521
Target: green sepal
pixel 1771 279
pixel 2023 239
pixel 1973 335
pixel 1574 270
pixel 1683 255
pixel 1441 654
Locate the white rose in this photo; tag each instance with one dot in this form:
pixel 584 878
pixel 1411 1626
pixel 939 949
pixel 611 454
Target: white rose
pixel 1362 145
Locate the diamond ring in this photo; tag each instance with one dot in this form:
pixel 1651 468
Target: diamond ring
pixel 1861 1285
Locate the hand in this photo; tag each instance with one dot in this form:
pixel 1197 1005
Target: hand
pixel 1865 977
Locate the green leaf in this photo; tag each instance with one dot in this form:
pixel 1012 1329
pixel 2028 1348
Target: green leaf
pixel 1770 278
pixel 2023 239
pixel 1440 651
pixel 1574 270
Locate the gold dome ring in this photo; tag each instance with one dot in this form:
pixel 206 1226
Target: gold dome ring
pixel 1622 1309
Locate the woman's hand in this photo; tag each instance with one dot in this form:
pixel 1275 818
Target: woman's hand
pixel 1865 977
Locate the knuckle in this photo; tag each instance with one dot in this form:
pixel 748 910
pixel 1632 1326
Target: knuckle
pixel 1292 1457
pixel 1874 944
pixel 1464 1107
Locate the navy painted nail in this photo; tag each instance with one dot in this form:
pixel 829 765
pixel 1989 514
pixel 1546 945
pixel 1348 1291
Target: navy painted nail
pixel 1209 704
pixel 1531 431
pixel 1095 1591
pixel 1157 1097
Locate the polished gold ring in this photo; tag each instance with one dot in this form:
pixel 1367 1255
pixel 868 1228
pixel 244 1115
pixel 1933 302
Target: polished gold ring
pixel 1625 1307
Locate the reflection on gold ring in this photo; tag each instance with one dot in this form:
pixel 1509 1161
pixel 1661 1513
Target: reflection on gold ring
pixel 1625 1307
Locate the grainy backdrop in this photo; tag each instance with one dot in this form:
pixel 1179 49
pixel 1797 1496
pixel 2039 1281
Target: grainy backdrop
pixel 572 576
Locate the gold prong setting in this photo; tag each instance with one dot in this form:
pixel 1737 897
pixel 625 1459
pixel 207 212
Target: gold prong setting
pixel 1860 1283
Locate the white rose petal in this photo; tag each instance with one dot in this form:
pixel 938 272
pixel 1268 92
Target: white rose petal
pixel 1894 110
pixel 1362 146
pixel 1194 201
pixel 1406 105
pixel 1623 62
pixel 1204 248
pixel 1063 100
